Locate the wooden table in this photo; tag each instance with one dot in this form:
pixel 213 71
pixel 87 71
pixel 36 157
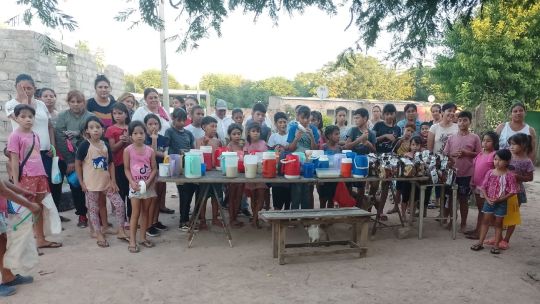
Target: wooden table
pixel 358 218
pixel 216 177
pixel 442 201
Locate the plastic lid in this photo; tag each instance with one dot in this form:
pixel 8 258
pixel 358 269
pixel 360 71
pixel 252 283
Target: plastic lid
pixel 206 149
pixel 323 158
pixel 346 161
pixel 229 154
pixel 269 155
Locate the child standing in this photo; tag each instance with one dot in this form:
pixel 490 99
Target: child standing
pixel 463 148
pixel 482 163
pixel 181 141
pixel 302 137
pixel 68 137
pixel 404 188
pixel 281 193
pixel 424 133
pixel 209 125
pixel 341 123
pixel 117 134
pixel 255 144
pixel 258 115
pixel 316 120
pixel 197 114
pixel 328 190
pixel 141 171
pixel 96 176
pixel 159 144
pixel 523 168
pixel 235 191
pixel 27 170
pixel 498 186
pixel 403 144
pixel 360 139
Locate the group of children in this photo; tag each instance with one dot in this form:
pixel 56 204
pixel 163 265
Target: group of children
pixel 120 162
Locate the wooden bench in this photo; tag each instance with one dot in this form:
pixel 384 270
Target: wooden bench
pixel 357 218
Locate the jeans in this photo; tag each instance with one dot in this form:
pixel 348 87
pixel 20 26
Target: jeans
pixel 185 195
pixel 300 198
pixel 281 197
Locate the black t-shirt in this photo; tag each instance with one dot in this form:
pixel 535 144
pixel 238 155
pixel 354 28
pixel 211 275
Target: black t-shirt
pixel 361 149
pixel 103 113
pixel 385 145
pixel 162 145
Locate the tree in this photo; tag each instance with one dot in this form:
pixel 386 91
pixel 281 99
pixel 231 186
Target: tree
pixel 148 79
pixel 495 57
pixel 222 86
pixel 415 24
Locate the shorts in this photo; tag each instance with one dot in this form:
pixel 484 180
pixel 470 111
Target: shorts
pixel 464 185
pixel 498 209
pixel 148 194
pixel 3 224
pixel 35 184
pixel 522 198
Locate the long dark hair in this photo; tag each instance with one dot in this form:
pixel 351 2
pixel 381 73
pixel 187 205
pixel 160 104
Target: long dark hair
pixel 341 109
pixel 317 115
pixel 121 107
pixel 523 140
pixel 252 125
pixel 88 121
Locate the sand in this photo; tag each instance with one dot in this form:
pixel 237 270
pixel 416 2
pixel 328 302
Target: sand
pixel 431 270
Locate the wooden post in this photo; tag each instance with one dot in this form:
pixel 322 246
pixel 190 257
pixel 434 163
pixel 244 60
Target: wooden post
pixel 281 250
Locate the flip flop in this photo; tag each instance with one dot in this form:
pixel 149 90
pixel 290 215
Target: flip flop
pixel 472 236
pixel 495 251
pixel 103 244
pixel 124 238
pixel 477 247
pixel 52 245
pixel 147 244
pixel 20 280
pixel 133 249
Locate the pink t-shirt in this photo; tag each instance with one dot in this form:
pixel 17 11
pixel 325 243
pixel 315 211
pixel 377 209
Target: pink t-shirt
pixel 20 143
pixel 482 164
pixel 499 186
pixel 140 163
pixel 259 146
pixel 470 142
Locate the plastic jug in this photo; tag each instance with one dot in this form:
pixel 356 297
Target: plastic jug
pixel 301 156
pixel 346 167
pixel 361 166
pixel 192 165
pixel 309 170
pixel 324 162
pixel 176 167
pixel 351 155
pixel 223 160
pixel 231 165
pixel 241 167
pixel 207 157
pixel 250 164
pixel 269 165
pixel 217 156
pixel 291 166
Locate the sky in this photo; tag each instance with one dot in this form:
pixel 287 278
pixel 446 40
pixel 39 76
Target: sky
pixel 301 43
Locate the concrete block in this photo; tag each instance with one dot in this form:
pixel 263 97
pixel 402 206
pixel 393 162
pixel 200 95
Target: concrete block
pixel 4 76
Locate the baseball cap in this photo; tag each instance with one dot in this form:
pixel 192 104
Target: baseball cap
pixel 221 104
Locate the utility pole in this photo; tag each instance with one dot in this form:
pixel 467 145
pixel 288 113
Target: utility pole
pixel 163 50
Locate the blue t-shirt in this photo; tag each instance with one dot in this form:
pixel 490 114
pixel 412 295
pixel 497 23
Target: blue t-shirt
pixel 291 130
pixel 402 123
pixel 162 145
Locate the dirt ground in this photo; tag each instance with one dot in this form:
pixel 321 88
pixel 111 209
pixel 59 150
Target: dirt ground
pixel 430 270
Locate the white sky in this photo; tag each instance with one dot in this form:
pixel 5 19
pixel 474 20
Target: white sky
pixel 256 51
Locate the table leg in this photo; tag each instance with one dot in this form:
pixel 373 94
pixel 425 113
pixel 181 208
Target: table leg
pixel 454 211
pixel 195 216
pixel 412 205
pixel 397 199
pixel 442 203
pixel 421 211
pixel 275 238
pixel 362 237
pixel 222 212
pixel 281 250
pixel 354 233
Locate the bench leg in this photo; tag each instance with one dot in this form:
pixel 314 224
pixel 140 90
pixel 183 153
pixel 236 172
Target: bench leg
pixel 362 231
pixel 421 212
pixel 281 241
pixel 275 239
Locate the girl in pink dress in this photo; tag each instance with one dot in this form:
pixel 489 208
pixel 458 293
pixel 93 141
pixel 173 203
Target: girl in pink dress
pixel 483 162
pixel 140 169
pixel 498 186
pixel 255 190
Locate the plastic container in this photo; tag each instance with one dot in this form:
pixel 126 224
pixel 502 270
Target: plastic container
pixel 250 164
pixel 324 162
pixel 327 173
pixel 346 167
pixel 163 170
pixel 309 170
pixel 172 166
pixel 207 157
pixel 177 167
pixel 301 156
pixel 73 180
pixel 361 166
pixel 231 166
pixel 337 160
pixel 217 156
pixel 193 165
pixel 290 166
pixel 223 160
pixel 269 165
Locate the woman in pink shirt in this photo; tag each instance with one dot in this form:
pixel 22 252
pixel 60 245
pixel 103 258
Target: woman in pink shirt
pixel 257 190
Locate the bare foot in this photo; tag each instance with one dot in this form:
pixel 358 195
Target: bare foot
pixel 217 223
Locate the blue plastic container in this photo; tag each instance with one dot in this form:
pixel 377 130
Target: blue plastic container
pixel 309 170
pixel 360 166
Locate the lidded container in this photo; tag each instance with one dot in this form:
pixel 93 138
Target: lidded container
pixel 269 165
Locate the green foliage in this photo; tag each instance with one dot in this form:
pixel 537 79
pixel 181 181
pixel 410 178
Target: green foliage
pixel 327 120
pixel 148 79
pixel 425 84
pixel 496 54
pixel 48 13
pixel 83 47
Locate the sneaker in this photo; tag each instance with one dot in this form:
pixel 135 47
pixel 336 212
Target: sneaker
pixel 20 280
pixel 152 232
pixel 246 212
pixel 64 219
pixel 160 226
pixel 83 221
pixel 183 227
pixel 6 291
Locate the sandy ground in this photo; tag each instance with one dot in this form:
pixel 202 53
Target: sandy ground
pixel 430 270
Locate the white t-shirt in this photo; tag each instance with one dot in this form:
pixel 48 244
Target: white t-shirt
pixel 41 121
pixel 197 132
pixel 141 113
pixel 222 126
pixel 441 135
pixel 278 139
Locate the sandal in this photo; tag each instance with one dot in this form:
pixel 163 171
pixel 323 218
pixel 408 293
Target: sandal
pixel 392 211
pixel 472 236
pixel 103 244
pixel 51 245
pixel 495 250
pixel 490 242
pixel 147 244
pixel 133 249
pixel 123 238
pixel 503 245
pixel 477 247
